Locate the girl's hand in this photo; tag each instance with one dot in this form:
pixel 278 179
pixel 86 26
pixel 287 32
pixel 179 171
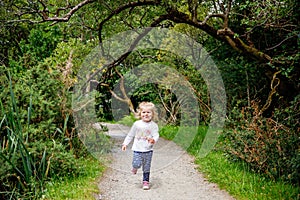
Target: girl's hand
pixel 151 140
pixel 124 147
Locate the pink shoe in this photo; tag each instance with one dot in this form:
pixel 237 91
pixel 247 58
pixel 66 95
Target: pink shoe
pixel 134 170
pixel 146 185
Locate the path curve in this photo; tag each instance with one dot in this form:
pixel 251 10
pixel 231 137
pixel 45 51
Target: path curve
pixel 173 174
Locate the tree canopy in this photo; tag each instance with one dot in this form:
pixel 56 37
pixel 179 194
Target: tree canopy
pixel 266 31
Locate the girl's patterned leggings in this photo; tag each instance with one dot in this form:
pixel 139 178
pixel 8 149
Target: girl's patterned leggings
pixel 143 159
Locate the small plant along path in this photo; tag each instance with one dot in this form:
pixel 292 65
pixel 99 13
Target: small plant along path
pixel 173 174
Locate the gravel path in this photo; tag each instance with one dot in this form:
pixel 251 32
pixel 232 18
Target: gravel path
pixel 173 175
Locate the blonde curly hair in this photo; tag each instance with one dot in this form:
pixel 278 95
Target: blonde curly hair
pixel 148 105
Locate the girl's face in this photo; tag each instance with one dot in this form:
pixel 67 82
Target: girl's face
pixel 146 114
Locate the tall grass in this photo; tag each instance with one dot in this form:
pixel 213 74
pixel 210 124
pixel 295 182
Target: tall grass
pixel 27 172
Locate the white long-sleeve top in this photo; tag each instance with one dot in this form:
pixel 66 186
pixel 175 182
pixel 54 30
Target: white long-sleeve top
pixel 141 131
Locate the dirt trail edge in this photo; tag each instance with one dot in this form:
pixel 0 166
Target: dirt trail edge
pixel 173 174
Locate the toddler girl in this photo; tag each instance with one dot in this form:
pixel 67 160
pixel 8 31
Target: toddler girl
pixel 145 134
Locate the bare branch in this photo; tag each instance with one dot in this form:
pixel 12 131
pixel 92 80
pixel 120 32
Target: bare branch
pixel 273 91
pixel 193 5
pixel 67 16
pixel 44 13
pixel 125 99
pixel 122 8
pixel 222 16
pixel 280 43
pixel 227 12
pixel 228 9
pixel 221 6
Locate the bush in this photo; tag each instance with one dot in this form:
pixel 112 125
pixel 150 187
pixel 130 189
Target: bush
pixel 38 138
pixel 269 146
pixel 28 156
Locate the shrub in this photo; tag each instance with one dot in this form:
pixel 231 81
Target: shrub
pixel 269 146
pixel 38 138
pixel 29 156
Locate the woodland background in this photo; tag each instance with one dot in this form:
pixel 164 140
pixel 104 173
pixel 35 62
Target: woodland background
pixel 43 43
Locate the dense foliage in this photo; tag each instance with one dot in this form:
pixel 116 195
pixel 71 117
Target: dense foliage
pixel 38 136
pixel 254 44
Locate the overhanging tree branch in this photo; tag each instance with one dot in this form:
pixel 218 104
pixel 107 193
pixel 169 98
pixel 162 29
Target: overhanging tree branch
pixel 118 10
pixel 66 17
pixel 225 34
pixel 130 49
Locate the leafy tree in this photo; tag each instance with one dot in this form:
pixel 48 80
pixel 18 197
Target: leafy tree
pixel 242 25
pixel 245 26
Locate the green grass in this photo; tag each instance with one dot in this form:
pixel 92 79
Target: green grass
pixel 241 182
pixel 82 187
pixel 127 120
pixel 235 177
